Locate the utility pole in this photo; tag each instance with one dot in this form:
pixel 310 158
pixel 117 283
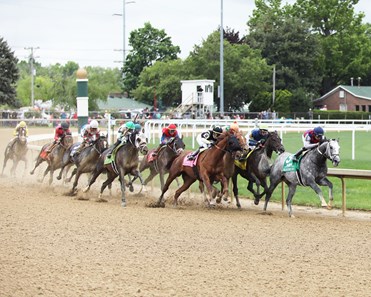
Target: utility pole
pixel 33 72
pixel 221 60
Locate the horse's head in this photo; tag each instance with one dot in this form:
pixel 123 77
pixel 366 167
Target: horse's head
pixel 332 151
pixel 22 138
pixel 101 144
pixel 274 143
pixel 176 144
pixel 231 144
pixel 67 141
pixel 141 143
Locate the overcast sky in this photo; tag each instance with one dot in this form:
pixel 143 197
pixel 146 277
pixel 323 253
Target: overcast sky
pixel 87 32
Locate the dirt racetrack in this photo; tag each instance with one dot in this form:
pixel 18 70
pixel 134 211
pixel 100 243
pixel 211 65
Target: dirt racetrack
pixel 56 245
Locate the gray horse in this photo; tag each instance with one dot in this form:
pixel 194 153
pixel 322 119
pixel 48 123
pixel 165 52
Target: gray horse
pixel 16 150
pixel 312 172
pixel 126 162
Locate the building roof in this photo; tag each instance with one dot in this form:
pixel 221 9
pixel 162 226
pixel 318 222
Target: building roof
pixel 121 103
pixel 359 92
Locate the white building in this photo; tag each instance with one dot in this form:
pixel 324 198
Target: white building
pixel 197 96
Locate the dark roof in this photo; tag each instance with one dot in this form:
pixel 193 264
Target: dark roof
pixel 359 92
pixel 120 103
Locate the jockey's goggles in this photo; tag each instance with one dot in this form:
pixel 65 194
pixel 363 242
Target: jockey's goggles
pixel 171 131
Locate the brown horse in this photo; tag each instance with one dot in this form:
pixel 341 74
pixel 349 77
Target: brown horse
pixel 54 158
pixel 258 166
pixel 126 162
pixel 162 163
pixel 16 150
pixel 209 168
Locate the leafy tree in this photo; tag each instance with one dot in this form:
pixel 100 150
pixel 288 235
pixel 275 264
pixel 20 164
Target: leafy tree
pixel 8 74
pixel 345 41
pixel 245 72
pixel 148 46
pixel 287 42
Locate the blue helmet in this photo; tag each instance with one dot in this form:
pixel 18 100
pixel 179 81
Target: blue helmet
pixel 318 131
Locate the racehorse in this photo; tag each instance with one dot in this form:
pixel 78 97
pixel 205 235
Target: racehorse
pixel 257 166
pixel 17 151
pixel 208 169
pixel 54 158
pixel 125 161
pixel 165 156
pixel 85 161
pixel 312 172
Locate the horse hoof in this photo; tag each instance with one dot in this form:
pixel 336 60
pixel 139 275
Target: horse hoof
pixel 31 172
pixel 123 204
pixel 256 202
pixel 58 178
pixel 85 190
pixel 131 188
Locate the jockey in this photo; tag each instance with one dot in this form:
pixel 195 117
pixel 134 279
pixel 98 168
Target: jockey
pixel 60 131
pixel 168 133
pixel 206 140
pixel 311 139
pixel 21 126
pixel 258 136
pixel 138 128
pixel 89 133
pixel 123 134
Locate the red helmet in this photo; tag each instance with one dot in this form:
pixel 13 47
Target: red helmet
pixel 172 127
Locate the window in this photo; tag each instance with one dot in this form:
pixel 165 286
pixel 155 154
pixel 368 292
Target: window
pixel 341 94
pixel 357 107
pixel 363 107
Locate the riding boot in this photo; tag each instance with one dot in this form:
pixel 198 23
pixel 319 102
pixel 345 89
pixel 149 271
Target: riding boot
pixel 80 148
pixel 115 145
pixel 193 155
pixel 295 157
pixel 50 148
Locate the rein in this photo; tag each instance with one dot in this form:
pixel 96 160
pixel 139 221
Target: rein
pixel 327 154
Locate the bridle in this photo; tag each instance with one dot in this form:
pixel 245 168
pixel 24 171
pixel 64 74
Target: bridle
pixel 328 152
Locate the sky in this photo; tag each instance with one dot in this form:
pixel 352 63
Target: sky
pixel 88 32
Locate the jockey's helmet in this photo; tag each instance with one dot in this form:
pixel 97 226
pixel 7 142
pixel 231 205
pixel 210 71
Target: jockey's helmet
pixel 171 128
pixel 138 127
pixel 263 128
pixel 94 124
pixel 130 125
pixel 65 125
pixel 234 127
pixel 318 131
pixel 22 124
pixel 217 130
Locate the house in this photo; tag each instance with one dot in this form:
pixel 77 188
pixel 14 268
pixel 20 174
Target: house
pixel 117 102
pixel 346 98
pixel 197 97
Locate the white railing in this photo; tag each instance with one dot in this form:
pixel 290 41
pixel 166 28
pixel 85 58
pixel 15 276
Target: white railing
pixel 190 128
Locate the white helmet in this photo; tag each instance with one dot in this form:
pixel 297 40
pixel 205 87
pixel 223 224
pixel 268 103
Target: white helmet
pixel 94 124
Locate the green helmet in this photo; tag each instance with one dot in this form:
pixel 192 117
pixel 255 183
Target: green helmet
pixel 130 125
pixel 138 127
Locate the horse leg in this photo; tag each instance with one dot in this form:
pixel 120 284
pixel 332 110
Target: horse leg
pixel 61 171
pixel 187 182
pixel 318 190
pixel 51 173
pixel 45 173
pixel 235 189
pixel 93 178
pixel 76 181
pixel 152 174
pixel 72 174
pixel 326 182
pixel 6 158
pixel 292 190
pixel 38 162
pixel 122 183
pixel 110 177
pixel 169 180
pixel 272 186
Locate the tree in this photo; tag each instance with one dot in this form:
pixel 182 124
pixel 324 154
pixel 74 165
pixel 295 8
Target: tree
pixel 8 74
pixel 287 42
pixel 148 46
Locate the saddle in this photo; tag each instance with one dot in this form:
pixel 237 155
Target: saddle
pixel 111 157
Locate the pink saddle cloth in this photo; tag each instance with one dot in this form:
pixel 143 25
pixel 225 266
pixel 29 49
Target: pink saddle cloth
pixel 150 156
pixel 190 163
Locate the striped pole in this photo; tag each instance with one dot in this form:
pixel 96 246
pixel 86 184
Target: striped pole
pixel 82 99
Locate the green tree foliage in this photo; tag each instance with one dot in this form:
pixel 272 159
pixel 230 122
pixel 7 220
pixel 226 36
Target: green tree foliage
pixel 287 43
pixel 345 41
pixel 8 74
pixel 148 46
pixel 163 81
pixel 245 72
pixel 58 83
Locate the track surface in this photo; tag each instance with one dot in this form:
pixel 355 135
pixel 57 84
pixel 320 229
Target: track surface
pixel 56 245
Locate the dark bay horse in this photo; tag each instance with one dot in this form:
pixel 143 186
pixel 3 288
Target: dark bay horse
pixel 54 158
pixel 209 168
pixel 312 172
pixel 258 166
pixel 85 162
pixel 126 162
pixel 16 150
pixel 162 163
